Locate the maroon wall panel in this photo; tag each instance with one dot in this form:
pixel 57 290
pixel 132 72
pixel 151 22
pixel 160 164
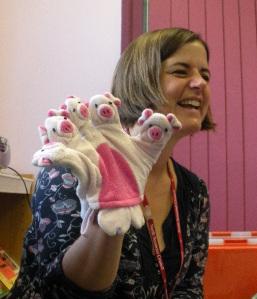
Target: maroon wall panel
pixel 200 142
pixel 234 117
pixel 132 21
pixel 227 158
pixel 217 140
pixel 248 48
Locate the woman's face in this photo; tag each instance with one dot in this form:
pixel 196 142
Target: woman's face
pixel 184 81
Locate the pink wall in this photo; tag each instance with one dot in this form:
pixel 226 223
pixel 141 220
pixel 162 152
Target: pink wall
pixel 48 50
pixel 226 159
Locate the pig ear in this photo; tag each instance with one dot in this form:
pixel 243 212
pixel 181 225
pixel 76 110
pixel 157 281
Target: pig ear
pixel 43 134
pixel 144 116
pixel 51 112
pixel 117 102
pixel 64 113
pixel 108 94
pixel 175 123
pixel 86 102
pixel 140 121
pixel 147 113
pixel 42 130
pixel 63 106
pixel 170 117
pixel 44 140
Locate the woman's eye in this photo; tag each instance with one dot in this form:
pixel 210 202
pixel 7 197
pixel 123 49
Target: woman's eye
pixel 179 72
pixel 206 77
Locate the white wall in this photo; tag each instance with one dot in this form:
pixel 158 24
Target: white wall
pixel 50 49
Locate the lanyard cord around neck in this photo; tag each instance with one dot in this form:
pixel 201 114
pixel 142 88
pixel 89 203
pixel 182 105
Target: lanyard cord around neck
pixel 152 232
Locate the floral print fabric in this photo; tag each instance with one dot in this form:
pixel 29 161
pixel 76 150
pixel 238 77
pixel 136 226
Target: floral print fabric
pixel 56 225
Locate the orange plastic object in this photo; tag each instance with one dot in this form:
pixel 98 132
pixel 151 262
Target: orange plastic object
pixel 231 271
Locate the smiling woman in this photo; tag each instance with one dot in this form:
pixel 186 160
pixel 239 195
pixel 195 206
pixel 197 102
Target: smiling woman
pixel 147 65
pixel 168 70
pixel 67 256
pixel 185 85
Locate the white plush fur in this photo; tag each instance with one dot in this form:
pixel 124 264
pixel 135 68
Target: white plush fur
pixel 98 126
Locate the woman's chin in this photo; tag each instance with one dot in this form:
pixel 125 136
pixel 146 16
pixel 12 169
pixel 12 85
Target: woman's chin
pixel 190 128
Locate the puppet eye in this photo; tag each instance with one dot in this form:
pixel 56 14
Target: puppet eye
pixel 150 125
pixel 96 105
pixel 110 102
pixel 54 130
pixel 74 110
pixel 166 129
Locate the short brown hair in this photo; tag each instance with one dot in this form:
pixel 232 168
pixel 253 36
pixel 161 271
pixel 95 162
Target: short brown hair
pixel 136 79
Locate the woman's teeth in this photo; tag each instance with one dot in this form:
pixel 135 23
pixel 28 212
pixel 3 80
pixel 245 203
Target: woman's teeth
pixel 194 104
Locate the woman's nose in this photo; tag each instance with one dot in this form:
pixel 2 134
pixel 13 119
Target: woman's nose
pixel 197 81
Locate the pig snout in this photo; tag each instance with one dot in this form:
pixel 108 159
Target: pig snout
pixel 155 133
pixel 83 110
pixel 66 127
pixel 105 111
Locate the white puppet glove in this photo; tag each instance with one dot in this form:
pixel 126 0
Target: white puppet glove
pixel 111 166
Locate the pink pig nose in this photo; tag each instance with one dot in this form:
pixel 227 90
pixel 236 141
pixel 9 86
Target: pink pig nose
pixel 66 127
pixel 155 133
pixel 105 111
pixel 83 110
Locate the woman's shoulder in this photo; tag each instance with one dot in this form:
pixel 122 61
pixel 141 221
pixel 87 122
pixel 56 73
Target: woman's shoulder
pixel 185 172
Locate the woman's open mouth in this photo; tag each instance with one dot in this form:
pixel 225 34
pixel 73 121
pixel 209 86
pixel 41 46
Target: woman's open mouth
pixel 190 104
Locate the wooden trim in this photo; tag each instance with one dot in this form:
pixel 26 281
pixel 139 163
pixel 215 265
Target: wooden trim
pixel 13 184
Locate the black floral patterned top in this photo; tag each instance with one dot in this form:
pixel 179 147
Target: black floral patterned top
pixel 56 224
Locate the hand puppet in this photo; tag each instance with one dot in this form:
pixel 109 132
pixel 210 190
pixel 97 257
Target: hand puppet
pixel 111 166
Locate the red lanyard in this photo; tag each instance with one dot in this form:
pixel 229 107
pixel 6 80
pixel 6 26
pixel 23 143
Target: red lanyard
pixel 152 232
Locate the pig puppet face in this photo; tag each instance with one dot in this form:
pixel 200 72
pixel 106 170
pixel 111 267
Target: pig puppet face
pixel 157 127
pixel 58 128
pixel 77 110
pixel 104 109
pixel 49 153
